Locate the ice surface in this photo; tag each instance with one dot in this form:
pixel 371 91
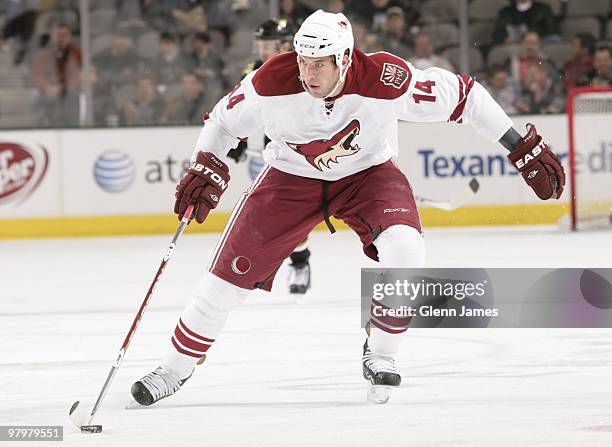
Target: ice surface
pixel 284 374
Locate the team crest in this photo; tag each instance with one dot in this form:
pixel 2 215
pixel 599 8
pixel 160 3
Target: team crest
pixel 320 153
pixel 394 75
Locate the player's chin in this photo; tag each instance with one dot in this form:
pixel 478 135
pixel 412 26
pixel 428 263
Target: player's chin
pixel 316 92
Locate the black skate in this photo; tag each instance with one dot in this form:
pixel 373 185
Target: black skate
pixel 299 278
pixel 381 373
pixel 156 385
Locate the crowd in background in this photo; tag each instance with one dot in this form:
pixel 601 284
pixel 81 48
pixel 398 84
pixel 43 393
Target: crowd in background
pixel 166 62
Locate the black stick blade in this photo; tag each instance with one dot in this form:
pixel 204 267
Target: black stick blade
pixel 91 429
pixel 474 185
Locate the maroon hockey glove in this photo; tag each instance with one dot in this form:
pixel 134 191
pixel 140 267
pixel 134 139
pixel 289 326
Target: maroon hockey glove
pixel 538 165
pixel 203 184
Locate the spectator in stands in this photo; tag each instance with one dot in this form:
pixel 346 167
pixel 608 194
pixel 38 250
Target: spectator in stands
pixel 129 17
pixel 541 94
pixel 529 55
pixel 373 43
pixel 192 104
pixel 502 88
pixel 105 112
pixel 521 16
pixel 424 56
pixel 601 76
pixel 366 41
pixel 56 72
pixel 206 63
pixel 180 17
pixel 20 20
pixel 119 64
pixel 147 109
pixel 188 15
pixel 576 70
pixel 336 6
pixel 220 17
pixel 293 11
pixel 156 14
pixel 397 38
pixel 360 34
pixel 373 13
pixel 239 6
pixel 170 65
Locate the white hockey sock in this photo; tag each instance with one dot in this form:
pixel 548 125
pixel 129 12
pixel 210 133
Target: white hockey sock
pixel 201 322
pixel 399 246
pixel 383 343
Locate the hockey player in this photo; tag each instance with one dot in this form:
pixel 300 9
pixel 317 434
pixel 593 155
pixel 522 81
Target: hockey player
pixel 331 113
pixel 273 37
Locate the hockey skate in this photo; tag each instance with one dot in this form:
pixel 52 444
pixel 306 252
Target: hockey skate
pixel 381 374
pixel 156 385
pixel 299 278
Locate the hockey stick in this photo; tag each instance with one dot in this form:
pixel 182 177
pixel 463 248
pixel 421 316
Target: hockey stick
pixel 456 201
pixel 79 415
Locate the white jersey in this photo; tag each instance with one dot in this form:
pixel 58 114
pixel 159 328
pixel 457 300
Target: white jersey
pixel 329 140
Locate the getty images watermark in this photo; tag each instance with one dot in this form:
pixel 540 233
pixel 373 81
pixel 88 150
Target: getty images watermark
pixel 426 288
pixel 401 298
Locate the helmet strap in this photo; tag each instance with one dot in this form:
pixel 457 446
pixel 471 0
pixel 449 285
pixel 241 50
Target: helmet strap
pixel 341 78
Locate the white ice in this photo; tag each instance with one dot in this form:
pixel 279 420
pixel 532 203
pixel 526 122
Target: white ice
pixel 284 374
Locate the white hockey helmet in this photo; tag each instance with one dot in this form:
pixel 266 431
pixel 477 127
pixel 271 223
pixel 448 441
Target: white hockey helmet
pixel 325 34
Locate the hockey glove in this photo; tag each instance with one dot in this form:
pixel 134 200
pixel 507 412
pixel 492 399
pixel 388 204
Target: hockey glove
pixel 538 165
pixel 203 184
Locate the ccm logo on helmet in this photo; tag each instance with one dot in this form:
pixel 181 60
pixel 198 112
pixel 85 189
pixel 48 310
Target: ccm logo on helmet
pixel 305 45
pixel 210 174
pixel 528 157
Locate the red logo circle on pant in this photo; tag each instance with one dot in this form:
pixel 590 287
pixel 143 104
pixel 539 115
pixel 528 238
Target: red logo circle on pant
pixel 241 265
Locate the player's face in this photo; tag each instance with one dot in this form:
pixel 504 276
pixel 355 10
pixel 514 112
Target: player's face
pixel 319 75
pixel 266 49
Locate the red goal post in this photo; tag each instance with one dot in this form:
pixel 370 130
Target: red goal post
pixel 589 112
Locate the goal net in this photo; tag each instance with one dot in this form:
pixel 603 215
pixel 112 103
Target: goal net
pixel 589 111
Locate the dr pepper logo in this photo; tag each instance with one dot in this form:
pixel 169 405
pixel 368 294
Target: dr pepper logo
pixel 22 168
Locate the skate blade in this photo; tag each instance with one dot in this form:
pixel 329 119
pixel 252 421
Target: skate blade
pixel 300 298
pixel 379 394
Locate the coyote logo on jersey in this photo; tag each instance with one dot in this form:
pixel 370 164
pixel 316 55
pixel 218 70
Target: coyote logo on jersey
pixel 321 153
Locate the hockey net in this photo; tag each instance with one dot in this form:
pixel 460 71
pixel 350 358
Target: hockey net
pixel 589 111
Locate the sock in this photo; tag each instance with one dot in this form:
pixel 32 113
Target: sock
pixel 200 323
pixel 399 246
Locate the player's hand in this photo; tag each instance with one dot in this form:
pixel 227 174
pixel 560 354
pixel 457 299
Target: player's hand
pixel 203 185
pixel 238 154
pixel 538 165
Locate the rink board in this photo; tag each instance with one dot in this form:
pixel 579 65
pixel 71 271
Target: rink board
pixel 121 181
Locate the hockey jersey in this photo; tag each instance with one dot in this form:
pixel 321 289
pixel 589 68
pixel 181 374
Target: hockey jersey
pixel 332 138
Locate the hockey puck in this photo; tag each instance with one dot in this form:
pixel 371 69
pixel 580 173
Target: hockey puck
pixel 91 429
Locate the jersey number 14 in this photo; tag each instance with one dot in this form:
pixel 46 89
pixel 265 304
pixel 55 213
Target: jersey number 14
pixel 425 87
pixel 233 98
